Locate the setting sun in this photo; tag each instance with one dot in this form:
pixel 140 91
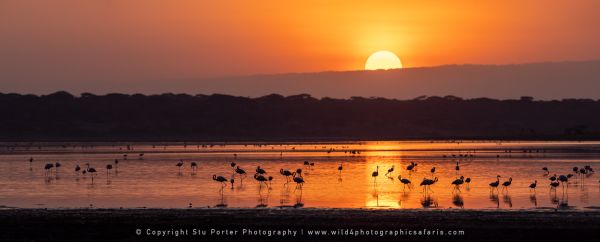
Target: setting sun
pixel 383 60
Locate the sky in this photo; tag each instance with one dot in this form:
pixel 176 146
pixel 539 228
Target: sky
pixel 75 44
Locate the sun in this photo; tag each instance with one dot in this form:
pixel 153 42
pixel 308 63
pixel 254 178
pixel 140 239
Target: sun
pixel 383 60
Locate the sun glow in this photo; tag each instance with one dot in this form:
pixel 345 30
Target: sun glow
pixel 383 60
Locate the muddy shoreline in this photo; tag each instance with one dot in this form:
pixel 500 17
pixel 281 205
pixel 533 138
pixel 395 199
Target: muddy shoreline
pixel 122 224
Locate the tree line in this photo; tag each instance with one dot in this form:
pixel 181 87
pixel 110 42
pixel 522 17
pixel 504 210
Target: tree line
pixel 183 117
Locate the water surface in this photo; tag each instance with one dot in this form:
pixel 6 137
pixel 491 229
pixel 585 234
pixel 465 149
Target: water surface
pixel 153 180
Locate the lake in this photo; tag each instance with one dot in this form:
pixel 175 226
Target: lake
pixel 153 180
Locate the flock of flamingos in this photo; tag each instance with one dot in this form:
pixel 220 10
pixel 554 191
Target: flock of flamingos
pixel 265 179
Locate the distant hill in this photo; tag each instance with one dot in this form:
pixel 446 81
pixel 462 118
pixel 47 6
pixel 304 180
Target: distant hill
pixel 546 81
pixel 62 116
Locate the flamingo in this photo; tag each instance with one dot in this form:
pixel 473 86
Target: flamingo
pixel 108 168
pixel 286 173
pixel 553 178
pixel 545 169
pixel 563 179
pixel 432 171
pixel 404 181
pixel 375 173
pixel 179 165
pixel 426 183
pixel 141 156
pixel 261 180
pixel 77 168
pixel 390 170
pixel 220 179
pixel 494 185
pixel 340 168
pixel 299 181
pixel 457 167
pixel 48 168
pixel 299 172
pixel 232 181
pixel 30 163
pixel 533 185
pixel 260 170
pixel 468 181
pixel 553 185
pixel 193 166
pixel 241 172
pixel 92 171
pixel 411 166
pixel 457 183
pixel 57 165
pixel 506 184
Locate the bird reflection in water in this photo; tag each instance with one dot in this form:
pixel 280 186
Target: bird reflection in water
pixel 427 201
pixel 299 202
pixel 458 200
pixel 533 200
pixel 263 198
pixel 507 199
pixel 494 198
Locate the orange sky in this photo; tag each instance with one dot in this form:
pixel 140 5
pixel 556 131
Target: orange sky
pixel 151 39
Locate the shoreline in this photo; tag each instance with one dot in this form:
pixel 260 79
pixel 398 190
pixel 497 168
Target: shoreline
pixel 121 224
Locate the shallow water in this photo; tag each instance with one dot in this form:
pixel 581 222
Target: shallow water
pixel 154 181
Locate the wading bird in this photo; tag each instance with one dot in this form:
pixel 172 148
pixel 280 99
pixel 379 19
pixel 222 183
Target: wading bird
pixel 261 180
pixel 457 183
pixel 179 165
pixel 286 173
pixel 405 182
pixel 340 168
pixel 260 170
pixel 432 171
pixel 468 181
pixel 411 166
pixel 240 172
pixel 375 174
pixel 426 183
pixel 533 185
pixel 299 181
pixel 546 171
pixel 389 171
pixel 108 168
pixel 194 166
pixel 48 168
pixel 494 185
pixel 220 179
pixel 506 184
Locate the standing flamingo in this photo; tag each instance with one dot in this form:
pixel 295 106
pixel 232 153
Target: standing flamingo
pixel 533 185
pixel 48 168
pixel 546 171
pixel 261 180
pixel 468 182
pixel 340 168
pixel 193 166
pixel 457 167
pixel 389 171
pixel 240 172
pixel 108 168
pixel 375 174
pixel 285 173
pixel 299 181
pixel 405 182
pixel 457 183
pixel 260 170
pixel 506 184
pixel 179 165
pixel 220 179
pixel 432 171
pixel 494 185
